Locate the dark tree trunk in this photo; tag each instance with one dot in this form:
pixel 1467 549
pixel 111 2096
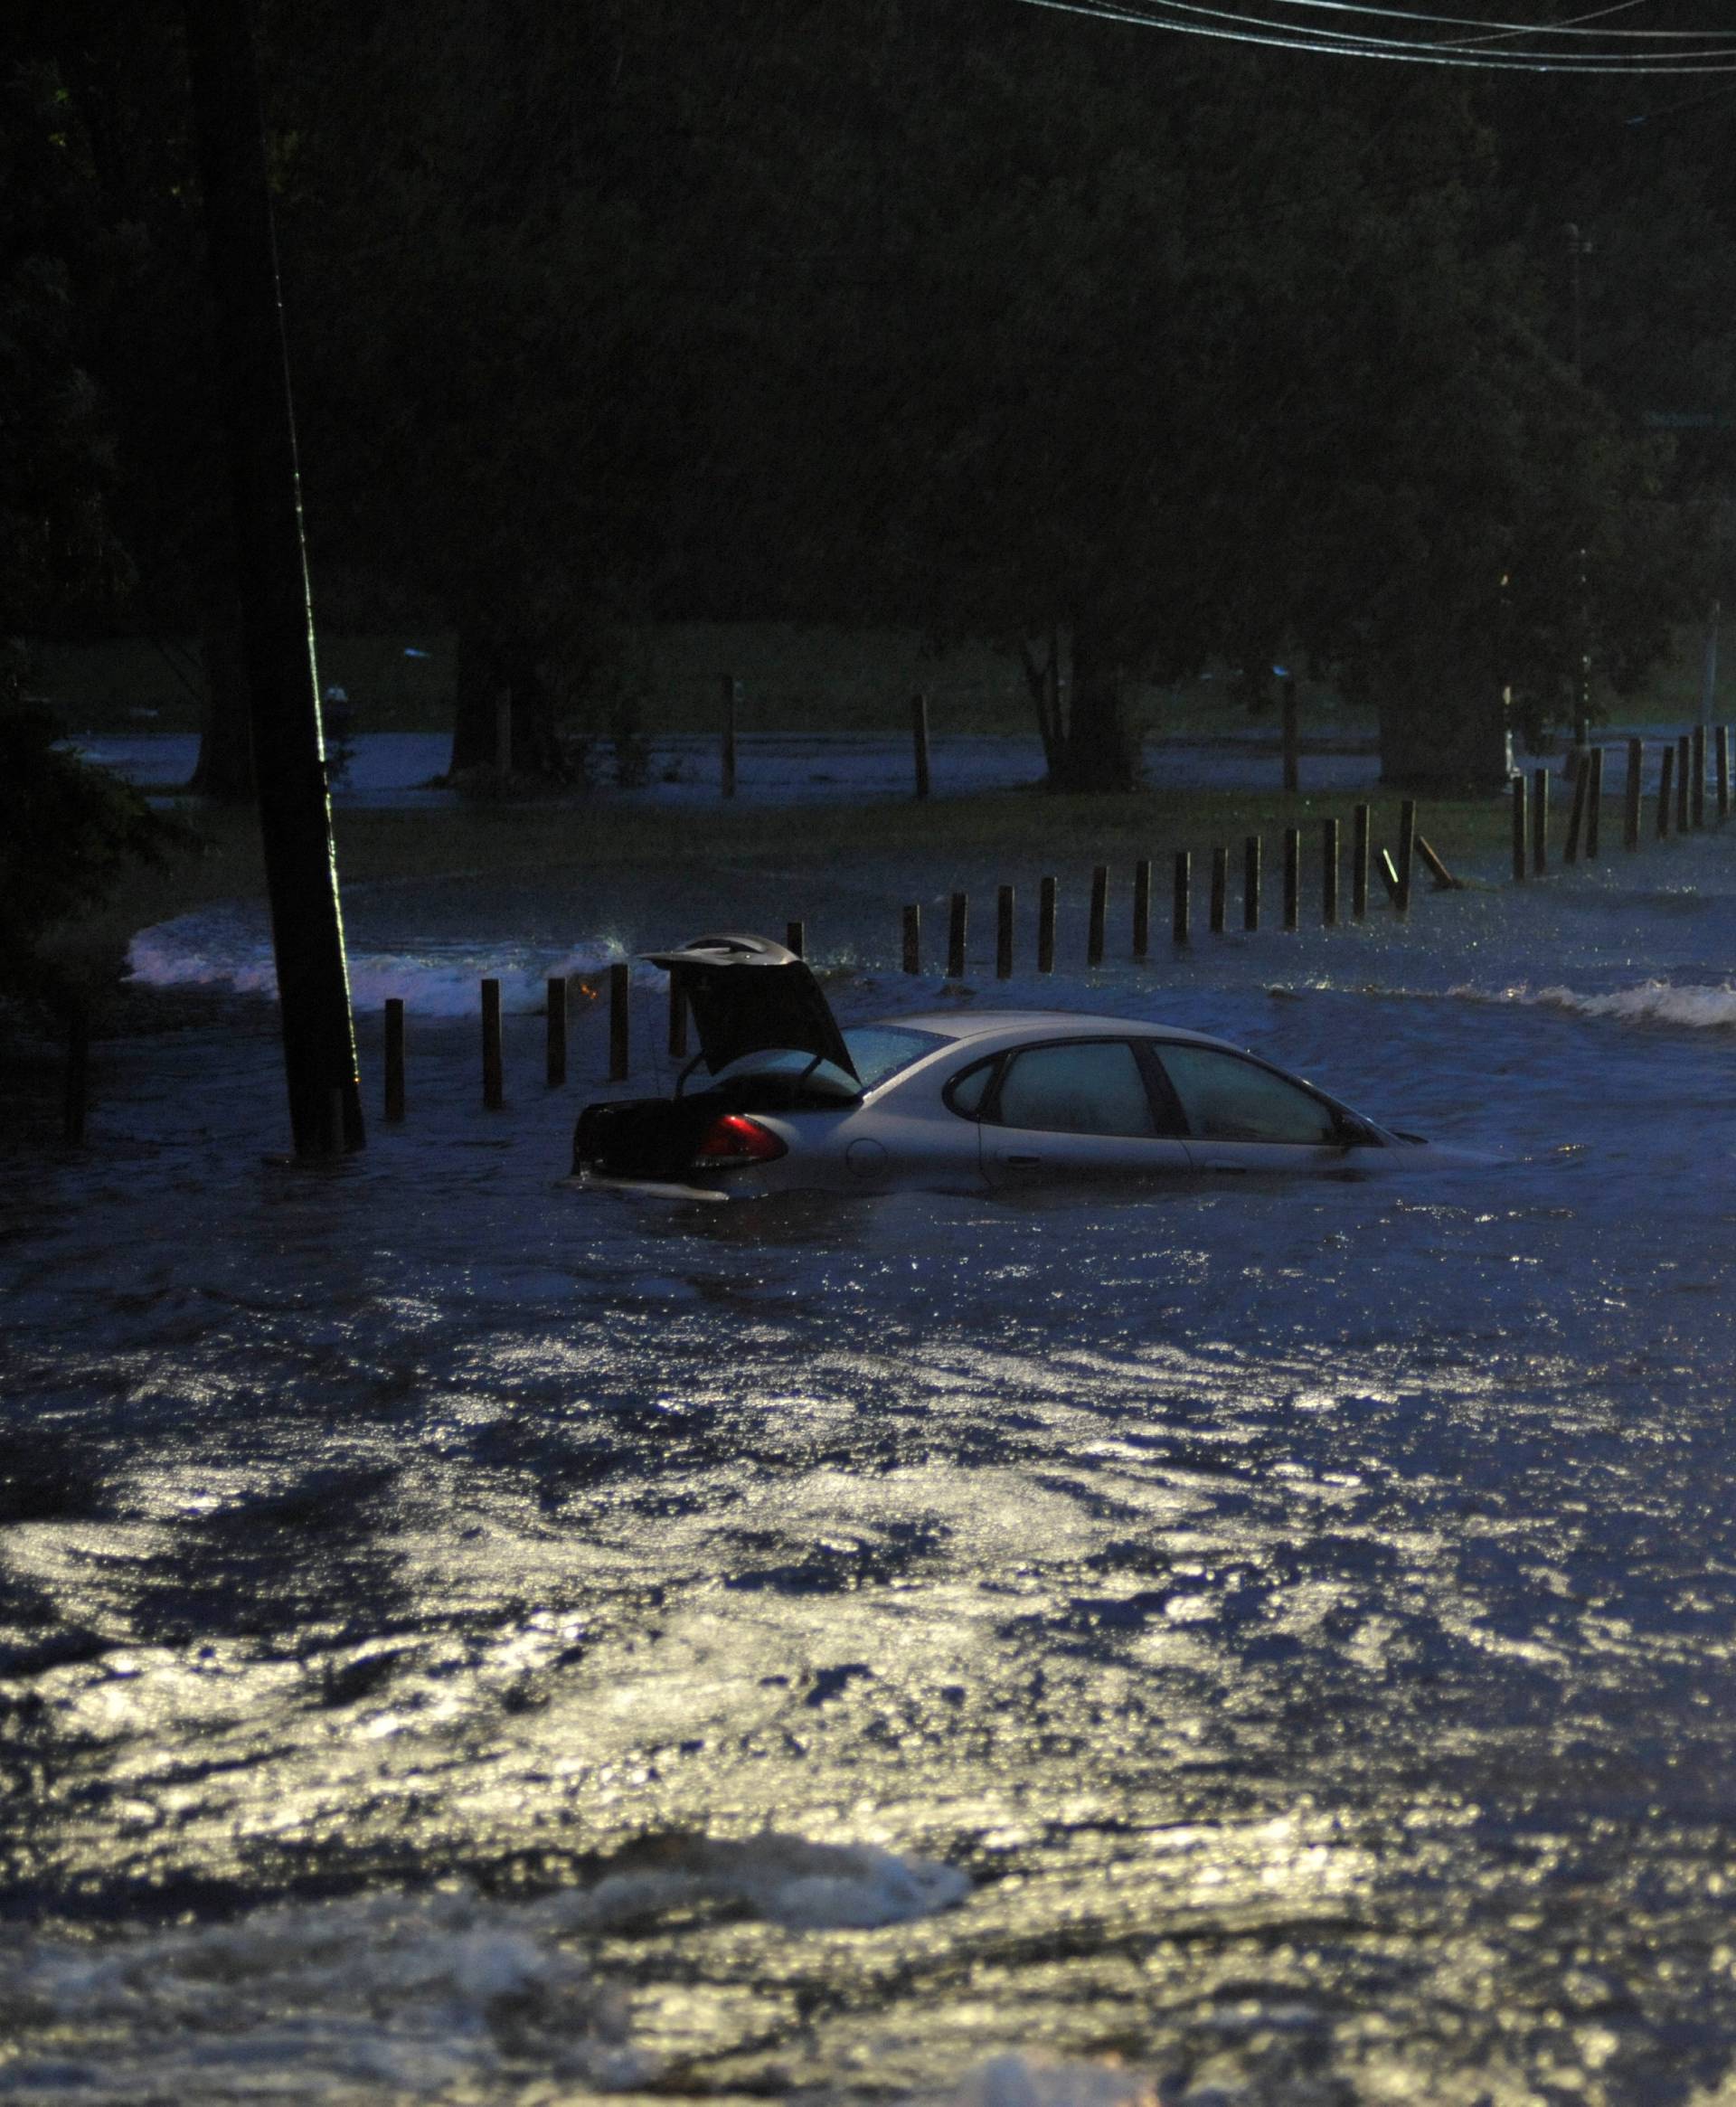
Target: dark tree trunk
pixel 224 770
pixel 494 671
pixel 1042 682
pixel 1446 735
pixel 1100 754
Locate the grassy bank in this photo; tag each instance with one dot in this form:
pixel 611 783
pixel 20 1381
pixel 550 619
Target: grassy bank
pixel 794 678
pixel 1018 828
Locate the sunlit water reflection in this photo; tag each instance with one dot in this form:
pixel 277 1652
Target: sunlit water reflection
pixel 1280 1638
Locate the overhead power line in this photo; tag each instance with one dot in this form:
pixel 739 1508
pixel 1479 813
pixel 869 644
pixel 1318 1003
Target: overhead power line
pixel 1642 51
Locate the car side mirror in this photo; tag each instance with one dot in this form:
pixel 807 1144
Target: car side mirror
pixel 1353 1134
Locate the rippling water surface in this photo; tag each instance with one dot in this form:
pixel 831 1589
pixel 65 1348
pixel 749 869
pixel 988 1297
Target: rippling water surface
pixel 465 1638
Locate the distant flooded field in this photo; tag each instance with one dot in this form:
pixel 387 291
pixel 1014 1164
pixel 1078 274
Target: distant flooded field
pixel 465 1638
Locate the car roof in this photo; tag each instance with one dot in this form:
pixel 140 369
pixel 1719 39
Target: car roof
pixel 1001 1026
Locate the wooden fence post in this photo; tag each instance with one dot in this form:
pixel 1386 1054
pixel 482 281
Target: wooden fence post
pixel 1183 892
pixel 731 705
pixel 1046 926
pixel 1329 873
pixel 503 734
pixel 958 931
pixel 1003 934
pixel 913 939
pixel 394 1105
pixel 492 1081
pixel 1521 834
pixel 1631 797
pixel 1683 746
pixel 619 1051
pixel 1720 764
pixel 796 937
pixel 1220 887
pixel 1699 814
pixel 557 1030
pixel 1250 882
pixel 1407 854
pixel 1142 908
pixel 1576 810
pixel 1539 821
pixel 1096 931
pixel 919 739
pixel 1666 784
pixel 1292 876
pixel 1594 805
pixel 1359 862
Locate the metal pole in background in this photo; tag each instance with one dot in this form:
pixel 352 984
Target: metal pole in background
pixel 271 569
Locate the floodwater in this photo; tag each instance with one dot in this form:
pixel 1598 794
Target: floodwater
pixel 466 1639
pixel 399 769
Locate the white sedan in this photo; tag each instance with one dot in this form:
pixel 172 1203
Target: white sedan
pixel 991 1100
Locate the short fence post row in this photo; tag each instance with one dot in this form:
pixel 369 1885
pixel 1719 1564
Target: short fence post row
pixel 1683 795
pixel 619 1051
pixel 1630 808
pixel 1142 908
pixel 1292 877
pixel 556 1063
pixel 1329 873
pixel 1359 862
pixel 1680 806
pixel 490 1064
pixel 394 1106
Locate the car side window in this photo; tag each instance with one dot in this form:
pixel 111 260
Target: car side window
pixel 1226 1097
pixel 1086 1086
pixel 965 1093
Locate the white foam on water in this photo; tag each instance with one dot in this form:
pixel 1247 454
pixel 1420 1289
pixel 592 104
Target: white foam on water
pixel 220 952
pixel 785 1880
pixel 1660 1002
pixel 412 1994
pixel 1031 2079
pixel 396 1996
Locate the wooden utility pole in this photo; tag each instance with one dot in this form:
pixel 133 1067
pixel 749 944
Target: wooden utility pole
pixel 271 569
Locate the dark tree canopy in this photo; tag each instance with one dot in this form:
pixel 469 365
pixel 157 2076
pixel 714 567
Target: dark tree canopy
pixel 67 831
pixel 1133 351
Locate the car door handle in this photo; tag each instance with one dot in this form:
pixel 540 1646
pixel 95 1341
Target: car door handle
pixel 1022 1162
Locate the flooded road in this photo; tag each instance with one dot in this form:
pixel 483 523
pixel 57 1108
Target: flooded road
pixel 464 1638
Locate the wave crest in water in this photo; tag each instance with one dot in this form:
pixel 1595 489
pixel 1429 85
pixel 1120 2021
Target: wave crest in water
pixel 412 1994
pixel 1660 1002
pixel 1036 2080
pixel 786 1880
pixel 211 950
pixel 417 1994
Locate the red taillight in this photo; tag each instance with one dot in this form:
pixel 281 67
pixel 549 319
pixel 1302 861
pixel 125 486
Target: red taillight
pixel 736 1138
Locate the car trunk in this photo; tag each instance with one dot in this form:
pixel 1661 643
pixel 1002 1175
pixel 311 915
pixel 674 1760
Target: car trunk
pixel 747 995
pixel 659 1137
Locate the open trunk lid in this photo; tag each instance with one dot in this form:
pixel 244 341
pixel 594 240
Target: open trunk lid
pixel 749 994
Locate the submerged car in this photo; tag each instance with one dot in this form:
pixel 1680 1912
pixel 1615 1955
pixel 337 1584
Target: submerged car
pixel 948 1101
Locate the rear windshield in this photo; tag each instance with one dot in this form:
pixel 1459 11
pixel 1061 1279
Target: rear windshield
pixel 881 1050
pixel 878 1051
